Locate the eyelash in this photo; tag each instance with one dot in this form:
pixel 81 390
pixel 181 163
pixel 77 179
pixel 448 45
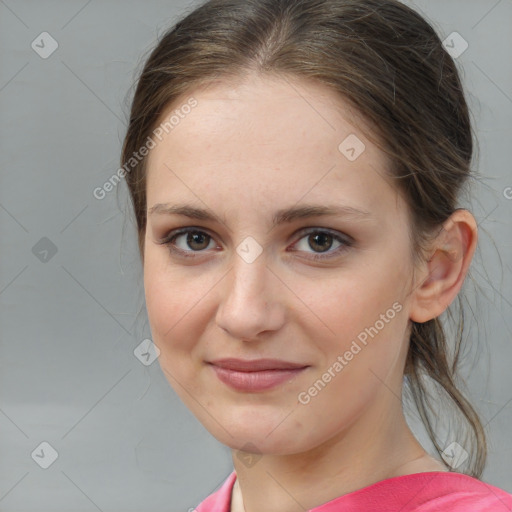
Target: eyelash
pixel 169 242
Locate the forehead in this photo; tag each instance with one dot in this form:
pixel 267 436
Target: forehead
pixel 273 140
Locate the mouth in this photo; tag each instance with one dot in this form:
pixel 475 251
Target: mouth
pixel 255 375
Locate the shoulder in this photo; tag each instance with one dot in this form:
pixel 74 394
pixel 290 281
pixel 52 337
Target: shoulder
pixel 434 491
pixel 456 492
pixel 220 500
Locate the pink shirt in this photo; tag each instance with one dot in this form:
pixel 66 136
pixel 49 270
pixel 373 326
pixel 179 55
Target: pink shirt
pixel 434 491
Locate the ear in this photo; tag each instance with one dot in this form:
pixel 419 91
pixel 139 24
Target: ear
pixel 444 272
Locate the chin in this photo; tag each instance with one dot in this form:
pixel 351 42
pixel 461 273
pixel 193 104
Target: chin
pixel 266 437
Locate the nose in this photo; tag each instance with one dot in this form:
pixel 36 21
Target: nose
pixel 252 300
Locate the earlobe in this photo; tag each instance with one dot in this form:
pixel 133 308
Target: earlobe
pixel 444 272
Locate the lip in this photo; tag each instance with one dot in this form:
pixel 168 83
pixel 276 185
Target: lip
pixel 255 365
pixel 255 375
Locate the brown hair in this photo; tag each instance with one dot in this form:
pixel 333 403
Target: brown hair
pixel 388 63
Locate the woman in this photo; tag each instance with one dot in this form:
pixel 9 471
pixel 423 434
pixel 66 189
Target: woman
pixel 294 169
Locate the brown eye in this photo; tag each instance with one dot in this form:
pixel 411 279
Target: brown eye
pixel 192 241
pixel 320 241
pixel 199 238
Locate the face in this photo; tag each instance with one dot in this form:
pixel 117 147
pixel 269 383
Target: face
pixel 327 292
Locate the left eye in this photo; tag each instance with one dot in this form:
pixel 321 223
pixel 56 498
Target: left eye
pixel 322 240
pixel 198 241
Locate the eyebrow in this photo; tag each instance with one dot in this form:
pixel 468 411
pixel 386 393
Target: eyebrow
pixel 279 217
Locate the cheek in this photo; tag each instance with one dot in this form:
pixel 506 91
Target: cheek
pixel 175 301
pixel 362 315
pixel 171 329
pixel 166 302
pixel 351 302
pixel 361 354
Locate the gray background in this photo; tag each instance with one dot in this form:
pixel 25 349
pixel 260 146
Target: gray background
pixel 71 319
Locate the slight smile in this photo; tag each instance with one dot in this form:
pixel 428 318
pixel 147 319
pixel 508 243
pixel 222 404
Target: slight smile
pixel 255 375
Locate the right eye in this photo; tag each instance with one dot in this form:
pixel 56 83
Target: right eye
pixel 190 238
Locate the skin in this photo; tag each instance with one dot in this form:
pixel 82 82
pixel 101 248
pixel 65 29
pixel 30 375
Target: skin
pixel 245 151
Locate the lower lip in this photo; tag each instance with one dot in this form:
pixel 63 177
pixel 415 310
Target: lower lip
pixel 255 381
